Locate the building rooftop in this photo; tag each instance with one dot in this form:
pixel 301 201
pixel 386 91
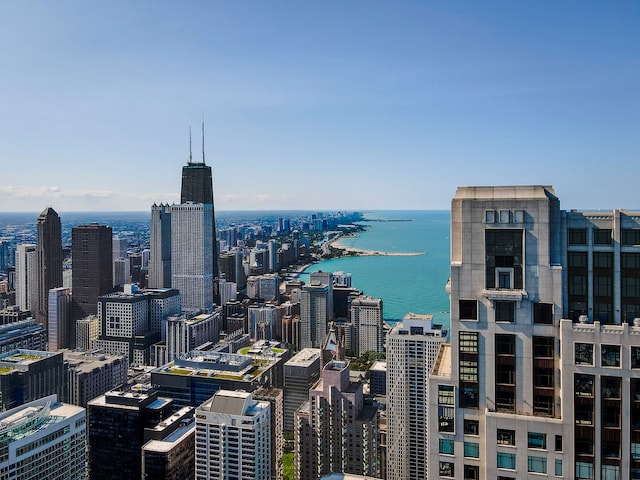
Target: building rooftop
pixel 509 192
pixel 304 358
pixel 442 365
pixel 379 366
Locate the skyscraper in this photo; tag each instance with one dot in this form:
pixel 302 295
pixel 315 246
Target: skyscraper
pixel 58 318
pixel 192 265
pixel 366 316
pixel 27 277
pixel 92 270
pixel 160 260
pixel 412 347
pixel 336 430
pixel 233 437
pixel 197 187
pixel 541 376
pixel 50 257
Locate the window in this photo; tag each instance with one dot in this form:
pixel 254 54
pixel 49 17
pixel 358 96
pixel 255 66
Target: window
pixel 630 236
pixel 503 250
pixel 558 468
pixel 543 313
pixel 583 353
pixel 468 309
pixel 503 278
pixel 505 311
pixel 635 357
pixel 635 451
pixel 584 470
pixel 490 216
pixel 610 472
pixel 471 427
pixel 537 440
pixel 610 355
pixel 583 385
pixel 471 450
pixel 630 286
pixel 602 236
pixel 505 344
pixel 577 259
pixel 602 260
pixel 506 460
pixel 471 472
pixel 537 464
pixel 446 446
pixel 602 286
pixel 446 469
pixel 630 260
pixel 518 216
pixel 506 437
pixel 611 387
pixel 469 342
pixel 558 443
pixel 577 236
pixel 445 395
pixel 505 216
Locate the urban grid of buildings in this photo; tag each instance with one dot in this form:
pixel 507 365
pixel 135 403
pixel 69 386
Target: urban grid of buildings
pixel 201 356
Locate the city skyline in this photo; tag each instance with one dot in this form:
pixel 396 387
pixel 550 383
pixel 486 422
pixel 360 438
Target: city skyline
pixel 332 106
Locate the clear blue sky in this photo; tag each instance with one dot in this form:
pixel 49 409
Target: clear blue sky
pixel 317 105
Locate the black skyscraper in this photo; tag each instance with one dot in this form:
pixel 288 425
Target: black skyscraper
pixel 197 187
pixel 49 250
pixel 92 270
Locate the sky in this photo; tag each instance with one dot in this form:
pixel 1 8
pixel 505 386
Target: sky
pixel 331 105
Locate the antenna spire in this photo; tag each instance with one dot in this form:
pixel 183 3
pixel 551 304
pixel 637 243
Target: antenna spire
pixel 203 139
pixel 190 155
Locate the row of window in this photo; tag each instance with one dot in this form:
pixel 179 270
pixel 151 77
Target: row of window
pixel 506 461
pixel 505 311
pixel 603 236
pixel 609 355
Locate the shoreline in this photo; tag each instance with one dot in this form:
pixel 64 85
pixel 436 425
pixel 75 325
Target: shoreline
pixel 361 252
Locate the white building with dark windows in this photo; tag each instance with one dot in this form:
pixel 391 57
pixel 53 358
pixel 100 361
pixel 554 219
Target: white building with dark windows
pixel 233 437
pixel 192 247
pixel 412 348
pixel 43 439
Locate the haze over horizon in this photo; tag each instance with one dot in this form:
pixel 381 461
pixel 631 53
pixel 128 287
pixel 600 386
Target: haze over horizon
pixel 317 106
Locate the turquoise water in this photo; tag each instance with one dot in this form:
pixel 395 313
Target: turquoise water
pixel 405 283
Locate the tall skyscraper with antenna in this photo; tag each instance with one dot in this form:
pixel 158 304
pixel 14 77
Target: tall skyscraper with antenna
pixel 197 187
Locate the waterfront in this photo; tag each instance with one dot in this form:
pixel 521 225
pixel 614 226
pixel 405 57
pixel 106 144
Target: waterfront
pixel 412 277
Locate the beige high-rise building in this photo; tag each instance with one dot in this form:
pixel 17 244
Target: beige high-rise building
pixel 540 376
pixel 412 348
pixel 367 320
pixel 336 430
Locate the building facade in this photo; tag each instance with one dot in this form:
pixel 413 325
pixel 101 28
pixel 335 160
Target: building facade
pixel 367 320
pixel 50 257
pixel 233 437
pixel 160 239
pixel 59 317
pixel 539 375
pixel 192 261
pixel 412 347
pixel 92 271
pixel 27 277
pixel 43 439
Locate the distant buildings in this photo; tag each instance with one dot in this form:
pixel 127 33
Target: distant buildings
pixel 316 309
pixel 22 334
pixel 186 333
pixel 43 439
pixel 233 437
